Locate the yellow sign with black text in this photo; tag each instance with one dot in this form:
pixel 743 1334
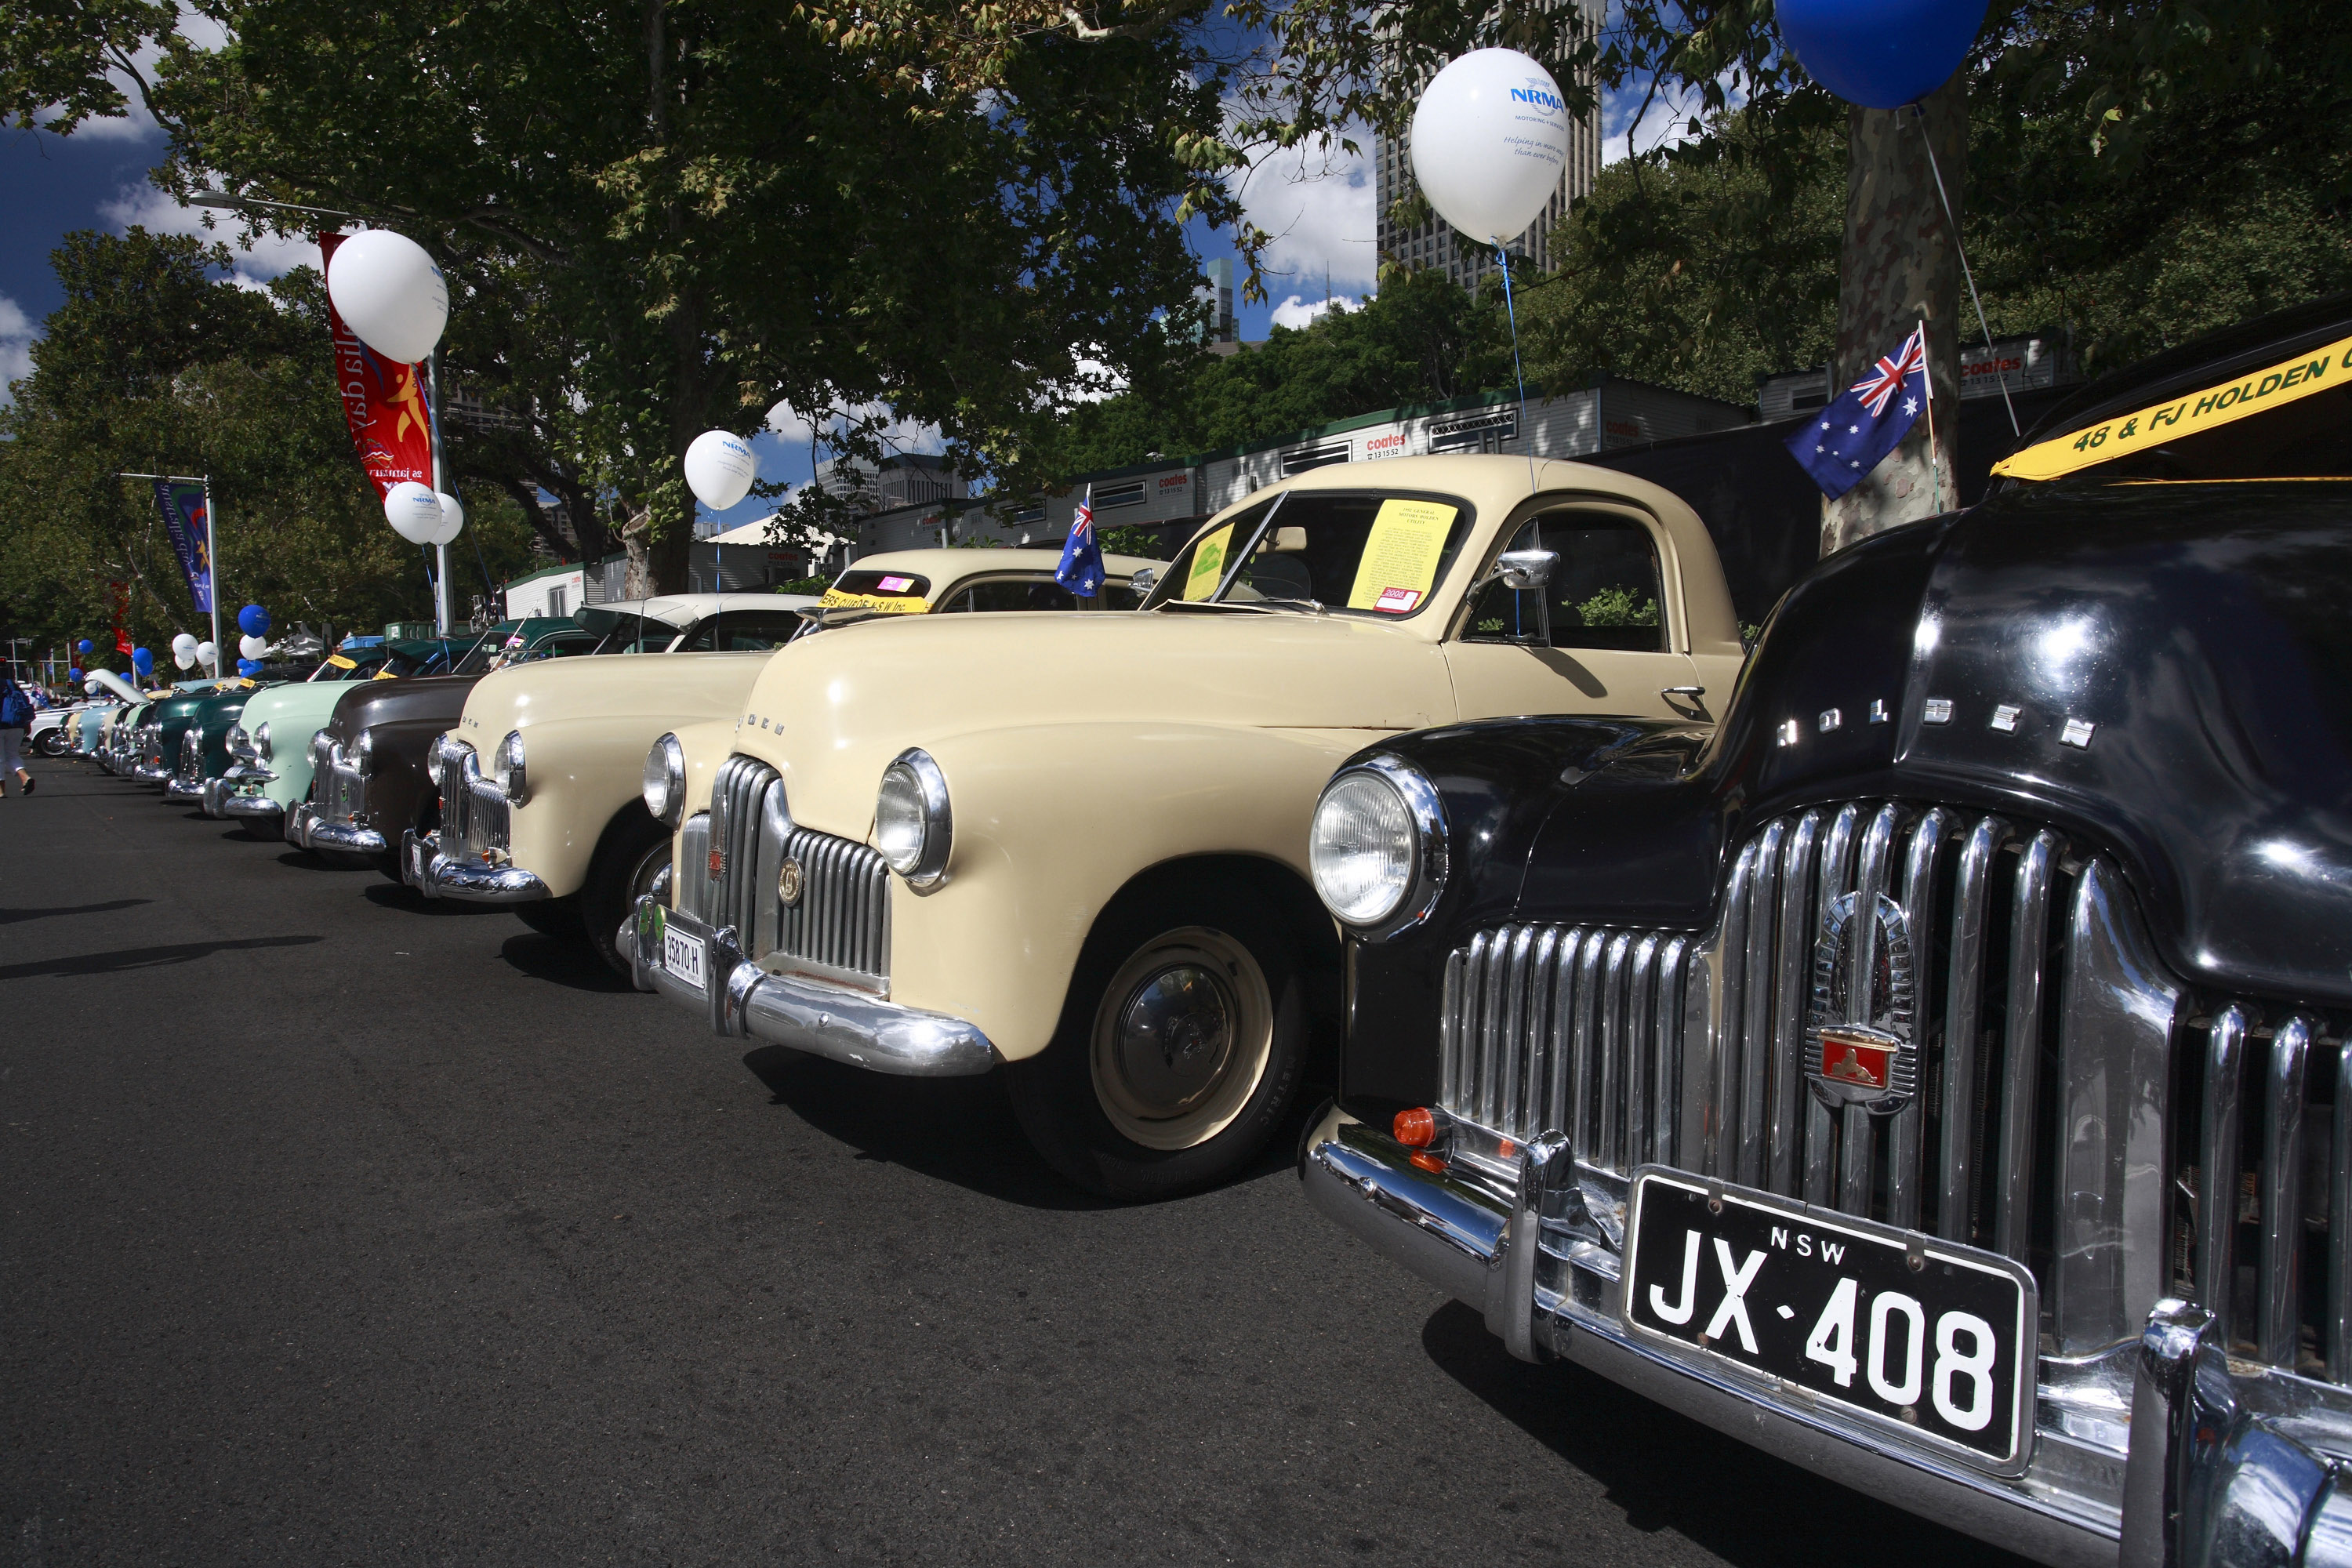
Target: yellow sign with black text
pixel 2152 426
pixel 835 599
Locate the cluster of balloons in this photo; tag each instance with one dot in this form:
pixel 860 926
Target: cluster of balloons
pixel 422 515
pixel 254 622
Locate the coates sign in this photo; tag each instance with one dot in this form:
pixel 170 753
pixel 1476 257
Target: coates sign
pixel 1391 445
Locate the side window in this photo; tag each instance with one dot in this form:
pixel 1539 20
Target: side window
pixel 1015 593
pixel 1117 595
pixel 1607 592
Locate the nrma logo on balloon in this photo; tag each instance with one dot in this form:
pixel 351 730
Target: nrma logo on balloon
pixel 1539 95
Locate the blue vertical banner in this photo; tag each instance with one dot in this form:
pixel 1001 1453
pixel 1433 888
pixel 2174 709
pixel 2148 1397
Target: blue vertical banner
pixel 184 514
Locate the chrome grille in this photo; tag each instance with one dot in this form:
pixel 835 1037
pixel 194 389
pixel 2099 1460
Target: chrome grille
pixel 476 818
pixel 190 768
pixel 731 860
pixel 341 790
pixel 2271 1092
pixel 2038 1017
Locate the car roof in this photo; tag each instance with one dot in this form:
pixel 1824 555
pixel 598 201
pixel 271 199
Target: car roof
pixel 952 563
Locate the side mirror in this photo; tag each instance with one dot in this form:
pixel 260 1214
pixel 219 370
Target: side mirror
pixel 1142 581
pixel 1521 570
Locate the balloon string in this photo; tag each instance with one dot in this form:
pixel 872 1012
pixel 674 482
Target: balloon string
pixel 1920 116
pixel 1527 431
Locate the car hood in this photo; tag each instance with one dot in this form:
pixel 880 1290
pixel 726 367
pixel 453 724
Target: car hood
pixel 667 688
pixel 831 711
pixel 367 703
pixel 289 708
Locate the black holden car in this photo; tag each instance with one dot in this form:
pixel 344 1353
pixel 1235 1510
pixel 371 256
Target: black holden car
pixel 1937 1076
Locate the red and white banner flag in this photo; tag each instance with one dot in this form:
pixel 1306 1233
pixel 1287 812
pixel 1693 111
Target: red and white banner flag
pixel 383 404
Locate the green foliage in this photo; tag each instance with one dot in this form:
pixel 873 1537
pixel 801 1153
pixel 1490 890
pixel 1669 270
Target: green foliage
pixel 1422 340
pixel 805 585
pixel 153 365
pixel 1142 542
pixel 1617 607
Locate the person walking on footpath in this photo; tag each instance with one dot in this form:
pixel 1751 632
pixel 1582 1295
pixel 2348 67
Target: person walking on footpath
pixel 16 718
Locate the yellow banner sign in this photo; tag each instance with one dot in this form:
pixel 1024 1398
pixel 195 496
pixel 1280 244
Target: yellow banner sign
pixel 2152 426
pixel 908 605
pixel 340 662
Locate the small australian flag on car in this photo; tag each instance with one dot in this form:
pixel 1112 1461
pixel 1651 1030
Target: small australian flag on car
pixel 1081 571
pixel 1844 441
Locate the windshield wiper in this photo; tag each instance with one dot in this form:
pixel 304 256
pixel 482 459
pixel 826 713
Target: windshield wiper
pixel 1252 606
pixel 1314 604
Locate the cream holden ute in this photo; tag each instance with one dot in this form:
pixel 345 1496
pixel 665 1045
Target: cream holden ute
pixel 541 781
pixel 1077 846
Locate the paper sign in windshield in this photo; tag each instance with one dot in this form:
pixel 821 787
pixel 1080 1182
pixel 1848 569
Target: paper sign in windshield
pixel 894 584
pixel 1401 556
pixel 1208 563
pixel 904 605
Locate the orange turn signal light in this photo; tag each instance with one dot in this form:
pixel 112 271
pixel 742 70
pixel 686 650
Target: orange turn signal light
pixel 1416 1129
pixel 1430 1162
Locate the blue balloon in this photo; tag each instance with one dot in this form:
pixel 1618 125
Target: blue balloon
pixel 143 661
pixel 254 621
pixel 1880 54
pixel 82 646
pixel 74 674
pixel 248 668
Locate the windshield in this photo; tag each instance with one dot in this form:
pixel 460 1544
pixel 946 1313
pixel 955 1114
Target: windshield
pixel 745 631
pixel 1368 554
pixel 633 633
pixel 478 658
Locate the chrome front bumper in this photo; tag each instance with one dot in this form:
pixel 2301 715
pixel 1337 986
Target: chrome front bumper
pixel 743 1001
pixel 150 773
pixel 310 831
pixel 177 788
pixel 250 806
pixel 2228 1470
pixel 424 868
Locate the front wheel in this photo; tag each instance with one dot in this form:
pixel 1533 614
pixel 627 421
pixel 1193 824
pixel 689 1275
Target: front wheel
pixel 52 743
pixel 630 863
pixel 1179 1050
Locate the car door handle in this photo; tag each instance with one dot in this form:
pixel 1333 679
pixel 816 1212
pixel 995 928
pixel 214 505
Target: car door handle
pixel 1682 691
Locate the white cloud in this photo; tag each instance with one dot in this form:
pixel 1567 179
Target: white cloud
pixel 268 257
pixel 16 334
pixel 1298 314
pixel 1318 202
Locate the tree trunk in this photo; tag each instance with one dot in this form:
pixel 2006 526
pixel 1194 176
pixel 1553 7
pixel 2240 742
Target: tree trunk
pixel 1901 265
pixel 639 582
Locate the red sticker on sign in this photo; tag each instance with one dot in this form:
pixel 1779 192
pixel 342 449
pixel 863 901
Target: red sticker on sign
pixel 1396 601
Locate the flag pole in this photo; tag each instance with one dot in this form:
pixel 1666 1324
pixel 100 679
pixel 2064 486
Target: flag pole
pixel 212 567
pixel 1927 380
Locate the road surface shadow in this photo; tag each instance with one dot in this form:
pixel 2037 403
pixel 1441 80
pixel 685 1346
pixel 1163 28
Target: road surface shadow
pixel 958 1129
pixel 131 958
pixel 10 917
pixel 400 896
pixel 562 960
pixel 1669 1472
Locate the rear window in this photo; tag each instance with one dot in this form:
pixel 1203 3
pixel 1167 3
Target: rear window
pixel 999 593
pixel 750 631
pixel 898 593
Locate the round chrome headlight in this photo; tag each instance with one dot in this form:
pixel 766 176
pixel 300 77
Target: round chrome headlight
pixel 512 781
pixel 436 762
pixel 261 740
pixel 665 780
pixel 911 821
pixel 1377 847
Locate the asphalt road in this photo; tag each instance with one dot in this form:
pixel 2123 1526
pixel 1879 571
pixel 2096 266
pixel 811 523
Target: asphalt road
pixel 339 1228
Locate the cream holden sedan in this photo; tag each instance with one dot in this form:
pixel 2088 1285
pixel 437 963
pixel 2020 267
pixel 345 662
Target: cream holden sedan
pixel 541 781
pixel 1076 847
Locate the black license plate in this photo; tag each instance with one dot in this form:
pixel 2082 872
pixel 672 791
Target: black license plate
pixel 1915 1336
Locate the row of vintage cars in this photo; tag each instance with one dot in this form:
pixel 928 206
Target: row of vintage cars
pixel 1916 1045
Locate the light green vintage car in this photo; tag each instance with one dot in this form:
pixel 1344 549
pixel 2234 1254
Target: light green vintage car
pixel 269 744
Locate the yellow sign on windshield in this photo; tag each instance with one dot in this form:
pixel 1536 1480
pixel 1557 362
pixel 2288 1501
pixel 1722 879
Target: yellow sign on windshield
pixel 905 606
pixel 1401 556
pixel 340 662
pixel 1208 567
pixel 2153 425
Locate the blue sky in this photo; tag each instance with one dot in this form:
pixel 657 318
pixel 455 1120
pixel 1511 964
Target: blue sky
pixel 1319 208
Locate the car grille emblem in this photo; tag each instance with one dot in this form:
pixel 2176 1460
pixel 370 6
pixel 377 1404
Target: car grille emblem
pixel 788 882
pixel 717 863
pixel 1859 1036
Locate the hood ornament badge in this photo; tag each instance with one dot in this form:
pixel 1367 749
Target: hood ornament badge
pixel 1859 1049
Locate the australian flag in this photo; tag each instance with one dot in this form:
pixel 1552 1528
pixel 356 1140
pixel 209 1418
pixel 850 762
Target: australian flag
pixel 1081 571
pixel 1845 440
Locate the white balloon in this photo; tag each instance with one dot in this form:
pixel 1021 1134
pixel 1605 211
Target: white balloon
pixel 453 518
pixel 208 654
pixel 1489 141
pixel 253 648
pixel 720 468
pixel 390 293
pixel 414 510
pixel 184 651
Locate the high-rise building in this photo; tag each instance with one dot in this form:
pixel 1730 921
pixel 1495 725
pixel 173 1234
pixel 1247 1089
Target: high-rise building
pixel 1435 243
pixel 1215 294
